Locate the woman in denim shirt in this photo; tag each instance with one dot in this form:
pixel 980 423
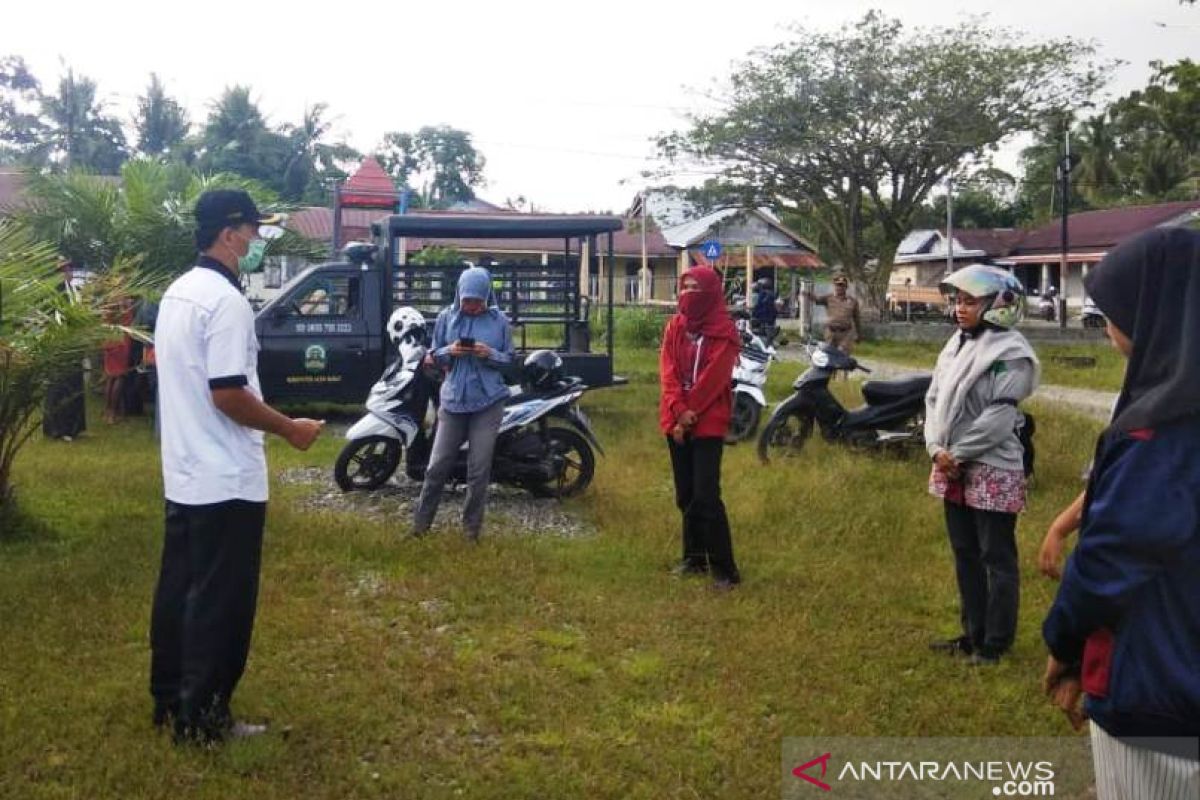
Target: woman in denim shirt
pixel 472 397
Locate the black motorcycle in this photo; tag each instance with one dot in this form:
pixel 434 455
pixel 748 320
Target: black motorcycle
pixel 894 414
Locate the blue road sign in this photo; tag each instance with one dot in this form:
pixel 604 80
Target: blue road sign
pixel 711 249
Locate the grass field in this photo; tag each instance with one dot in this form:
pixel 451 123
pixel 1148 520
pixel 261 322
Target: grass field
pixel 526 667
pixel 1057 361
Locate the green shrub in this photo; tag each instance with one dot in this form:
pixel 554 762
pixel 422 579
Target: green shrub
pixel 633 327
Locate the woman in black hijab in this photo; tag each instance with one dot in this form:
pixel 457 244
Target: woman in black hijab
pixel 1125 627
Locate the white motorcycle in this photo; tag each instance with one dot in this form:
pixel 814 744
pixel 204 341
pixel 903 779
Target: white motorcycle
pixel 545 445
pixel 1091 315
pixel 749 378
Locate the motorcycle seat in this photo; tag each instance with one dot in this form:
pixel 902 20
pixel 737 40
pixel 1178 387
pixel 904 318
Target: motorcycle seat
pixel 520 394
pixel 880 392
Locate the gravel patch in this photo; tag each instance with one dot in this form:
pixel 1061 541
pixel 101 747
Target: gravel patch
pixel 510 512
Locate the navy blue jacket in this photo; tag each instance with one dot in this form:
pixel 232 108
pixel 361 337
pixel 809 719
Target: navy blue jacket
pixel 1128 609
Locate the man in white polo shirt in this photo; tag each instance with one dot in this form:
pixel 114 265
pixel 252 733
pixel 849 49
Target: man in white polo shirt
pixel 214 474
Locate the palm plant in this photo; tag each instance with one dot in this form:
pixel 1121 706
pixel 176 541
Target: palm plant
pixel 161 122
pixel 313 160
pixel 145 217
pixel 1160 169
pixel 44 333
pixel 1099 178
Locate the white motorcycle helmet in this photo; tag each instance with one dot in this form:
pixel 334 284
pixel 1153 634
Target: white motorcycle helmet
pixel 406 329
pixel 1004 293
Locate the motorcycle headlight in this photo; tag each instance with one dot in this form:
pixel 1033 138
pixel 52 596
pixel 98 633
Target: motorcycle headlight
pixel 820 359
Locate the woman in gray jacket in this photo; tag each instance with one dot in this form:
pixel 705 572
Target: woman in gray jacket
pixel 971 423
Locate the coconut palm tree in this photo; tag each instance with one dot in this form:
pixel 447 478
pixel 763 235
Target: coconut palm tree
pixel 1160 169
pixel 78 132
pixel 1098 177
pixel 161 122
pixel 313 159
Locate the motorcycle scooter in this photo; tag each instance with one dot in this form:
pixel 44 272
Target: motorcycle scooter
pixel 749 378
pixel 893 416
pixel 1090 315
pixel 545 444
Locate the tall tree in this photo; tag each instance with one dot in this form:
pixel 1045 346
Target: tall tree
pixel 439 162
pixel 21 129
pixel 397 155
pixel 313 160
pixel 869 119
pixel 161 122
pixel 237 139
pixel 79 134
pixel 1040 195
pixel 1099 179
pixel 1159 169
pixel 452 164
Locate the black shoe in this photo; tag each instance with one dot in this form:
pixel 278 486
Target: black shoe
pixel 960 646
pixel 688 567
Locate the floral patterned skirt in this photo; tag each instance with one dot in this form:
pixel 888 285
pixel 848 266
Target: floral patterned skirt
pixel 982 486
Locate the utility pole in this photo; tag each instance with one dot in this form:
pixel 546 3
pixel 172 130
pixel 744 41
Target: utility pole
pixel 644 280
pixel 949 224
pixel 1064 171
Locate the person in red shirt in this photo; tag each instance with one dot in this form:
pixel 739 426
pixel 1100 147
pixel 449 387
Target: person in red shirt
pixel 699 350
pixel 116 364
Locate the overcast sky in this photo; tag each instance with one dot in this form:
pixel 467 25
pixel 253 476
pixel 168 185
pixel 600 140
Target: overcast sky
pixel 562 98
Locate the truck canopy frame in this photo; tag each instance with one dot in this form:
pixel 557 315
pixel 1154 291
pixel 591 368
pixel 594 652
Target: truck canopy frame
pixel 533 295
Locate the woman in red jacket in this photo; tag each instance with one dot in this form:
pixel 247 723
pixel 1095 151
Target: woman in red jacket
pixel 699 351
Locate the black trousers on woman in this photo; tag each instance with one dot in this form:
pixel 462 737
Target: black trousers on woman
pixel 989 577
pixel 696 465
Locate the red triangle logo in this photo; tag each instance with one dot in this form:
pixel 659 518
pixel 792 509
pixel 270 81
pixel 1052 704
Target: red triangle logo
pixel 802 770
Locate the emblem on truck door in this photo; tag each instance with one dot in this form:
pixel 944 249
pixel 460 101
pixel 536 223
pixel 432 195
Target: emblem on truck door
pixel 314 358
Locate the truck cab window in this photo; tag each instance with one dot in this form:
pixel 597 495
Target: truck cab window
pixel 330 296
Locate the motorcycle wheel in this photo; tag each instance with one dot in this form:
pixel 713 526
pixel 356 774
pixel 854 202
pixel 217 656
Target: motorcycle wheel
pixel 576 464
pixel 367 463
pixel 744 421
pixel 785 435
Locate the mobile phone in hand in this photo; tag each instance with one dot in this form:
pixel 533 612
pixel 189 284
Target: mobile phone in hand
pixel 467 343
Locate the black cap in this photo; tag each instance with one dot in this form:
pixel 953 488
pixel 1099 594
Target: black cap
pixel 223 208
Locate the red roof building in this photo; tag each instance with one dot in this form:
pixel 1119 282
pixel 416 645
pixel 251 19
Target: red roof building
pixel 369 187
pixel 1036 254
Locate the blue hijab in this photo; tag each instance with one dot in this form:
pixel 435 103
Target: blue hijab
pixel 473 383
pixel 474 284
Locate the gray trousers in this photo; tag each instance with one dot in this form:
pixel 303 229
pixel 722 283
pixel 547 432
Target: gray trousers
pixel 478 430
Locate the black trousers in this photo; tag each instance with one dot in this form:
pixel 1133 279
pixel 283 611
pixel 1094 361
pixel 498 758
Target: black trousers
pixel 65 413
pixel 204 612
pixel 985 561
pixel 696 465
